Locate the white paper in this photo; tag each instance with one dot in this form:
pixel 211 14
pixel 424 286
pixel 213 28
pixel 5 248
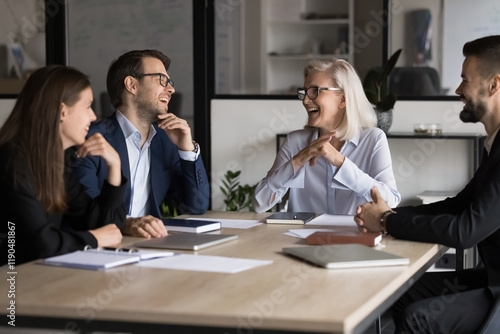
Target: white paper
pixel 304 233
pixel 333 220
pixel 216 264
pixel 234 223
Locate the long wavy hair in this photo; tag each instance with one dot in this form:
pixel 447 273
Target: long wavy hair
pixel 33 126
pixel 359 112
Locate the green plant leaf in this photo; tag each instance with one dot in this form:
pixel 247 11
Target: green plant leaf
pixel 389 66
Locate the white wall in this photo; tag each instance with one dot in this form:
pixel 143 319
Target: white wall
pixel 244 138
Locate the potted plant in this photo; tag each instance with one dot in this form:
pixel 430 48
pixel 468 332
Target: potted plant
pixel 238 197
pixel 377 91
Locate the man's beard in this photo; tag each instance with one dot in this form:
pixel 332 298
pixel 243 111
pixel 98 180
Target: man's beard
pixel 147 111
pixel 473 112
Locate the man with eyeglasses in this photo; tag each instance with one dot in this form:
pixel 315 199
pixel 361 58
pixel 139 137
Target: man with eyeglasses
pixel 159 157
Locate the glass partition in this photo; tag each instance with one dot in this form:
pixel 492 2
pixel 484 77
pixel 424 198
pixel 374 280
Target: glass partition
pixel 22 43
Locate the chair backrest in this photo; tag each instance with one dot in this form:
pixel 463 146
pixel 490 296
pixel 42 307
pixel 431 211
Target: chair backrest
pixel 415 81
pixel 492 323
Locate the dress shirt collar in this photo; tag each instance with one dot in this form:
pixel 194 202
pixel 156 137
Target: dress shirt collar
pixel 130 130
pixel 489 141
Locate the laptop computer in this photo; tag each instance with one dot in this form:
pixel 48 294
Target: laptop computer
pixel 187 241
pixel 345 256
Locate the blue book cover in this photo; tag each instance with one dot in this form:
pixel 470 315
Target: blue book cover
pixel 191 225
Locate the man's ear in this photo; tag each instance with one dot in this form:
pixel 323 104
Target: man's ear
pixel 495 84
pixel 130 84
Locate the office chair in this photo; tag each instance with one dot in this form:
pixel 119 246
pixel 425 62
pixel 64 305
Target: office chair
pixel 415 81
pixel 492 323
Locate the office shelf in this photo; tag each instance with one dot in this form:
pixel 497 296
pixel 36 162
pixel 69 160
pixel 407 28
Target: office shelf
pixel 296 31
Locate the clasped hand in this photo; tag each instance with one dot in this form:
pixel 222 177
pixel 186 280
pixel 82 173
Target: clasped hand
pixel 368 215
pixel 320 147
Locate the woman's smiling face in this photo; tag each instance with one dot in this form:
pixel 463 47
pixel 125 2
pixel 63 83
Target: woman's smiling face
pixel 328 108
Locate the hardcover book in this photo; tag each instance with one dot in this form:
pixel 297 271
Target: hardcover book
pixel 344 237
pixel 191 225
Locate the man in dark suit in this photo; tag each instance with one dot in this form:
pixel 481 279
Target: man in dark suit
pixel 159 157
pixel 455 302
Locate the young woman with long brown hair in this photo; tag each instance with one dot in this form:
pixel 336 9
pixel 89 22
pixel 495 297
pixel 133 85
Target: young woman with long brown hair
pixel 44 210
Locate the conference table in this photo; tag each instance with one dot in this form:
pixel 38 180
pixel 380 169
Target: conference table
pixel 286 296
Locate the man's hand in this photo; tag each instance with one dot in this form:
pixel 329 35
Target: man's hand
pixel 178 130
pixel 146 227
pixel 368 215
pixel 97 145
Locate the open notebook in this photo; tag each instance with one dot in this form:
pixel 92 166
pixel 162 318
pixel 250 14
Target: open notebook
pixel 103 258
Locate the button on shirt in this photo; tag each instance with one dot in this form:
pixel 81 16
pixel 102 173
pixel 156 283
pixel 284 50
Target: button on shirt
pixel 140 163
pixel 324 188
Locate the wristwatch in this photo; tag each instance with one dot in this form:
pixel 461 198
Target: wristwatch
pixel 196 147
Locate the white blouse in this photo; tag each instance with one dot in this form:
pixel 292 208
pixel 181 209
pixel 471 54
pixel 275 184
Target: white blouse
pixel 324 188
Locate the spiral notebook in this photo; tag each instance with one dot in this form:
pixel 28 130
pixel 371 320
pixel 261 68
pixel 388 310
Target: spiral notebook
pixel 102 258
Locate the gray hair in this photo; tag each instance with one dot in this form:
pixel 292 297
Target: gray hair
pixel 359 111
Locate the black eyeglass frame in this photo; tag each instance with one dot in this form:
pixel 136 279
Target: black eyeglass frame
pixel 163 78
pixel 302 95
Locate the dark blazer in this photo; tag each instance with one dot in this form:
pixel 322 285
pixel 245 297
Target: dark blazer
pixel 35 233
pixel 186 182
pixel 469 219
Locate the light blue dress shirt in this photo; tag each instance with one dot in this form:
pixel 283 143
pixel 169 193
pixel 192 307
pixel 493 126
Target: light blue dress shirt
pixel 324 188
pixel 140 163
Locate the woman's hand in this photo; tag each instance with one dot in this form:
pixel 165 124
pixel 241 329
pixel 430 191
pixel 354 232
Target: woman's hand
pixel 321 147
pixel 107 236
pixel 97 145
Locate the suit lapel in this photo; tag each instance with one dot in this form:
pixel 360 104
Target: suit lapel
pixel 156 173
pixel 116 139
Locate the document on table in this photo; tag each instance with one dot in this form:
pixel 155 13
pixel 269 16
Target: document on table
pixel 217 264
pixel 235 223
pixel 333 220
pixel 304 233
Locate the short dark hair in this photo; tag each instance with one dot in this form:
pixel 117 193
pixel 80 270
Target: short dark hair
pixel 127 64
pixel 487 50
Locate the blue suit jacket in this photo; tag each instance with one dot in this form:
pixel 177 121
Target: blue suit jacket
pixel 186 182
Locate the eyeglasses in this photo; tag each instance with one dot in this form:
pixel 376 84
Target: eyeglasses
pixel 164 80
pixel 311 92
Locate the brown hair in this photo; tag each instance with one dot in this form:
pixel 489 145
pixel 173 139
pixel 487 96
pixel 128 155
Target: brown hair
pixel 34 125
pixel 487 50
pixel 128 64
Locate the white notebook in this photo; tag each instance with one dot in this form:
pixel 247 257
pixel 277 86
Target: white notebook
pixel 97 259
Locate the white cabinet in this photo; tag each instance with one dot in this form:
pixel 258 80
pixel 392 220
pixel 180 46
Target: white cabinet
pixel 296 31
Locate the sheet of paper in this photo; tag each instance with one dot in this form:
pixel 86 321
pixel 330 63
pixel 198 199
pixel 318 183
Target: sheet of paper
pixel 304 233
pixel 234 223
pixel 217 264
pixel 334 220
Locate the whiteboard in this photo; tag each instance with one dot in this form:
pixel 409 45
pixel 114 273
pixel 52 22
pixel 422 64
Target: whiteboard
pixel 100 31
pixel 464 21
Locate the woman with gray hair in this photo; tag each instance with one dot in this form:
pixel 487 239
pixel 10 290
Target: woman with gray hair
pixel 331 165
